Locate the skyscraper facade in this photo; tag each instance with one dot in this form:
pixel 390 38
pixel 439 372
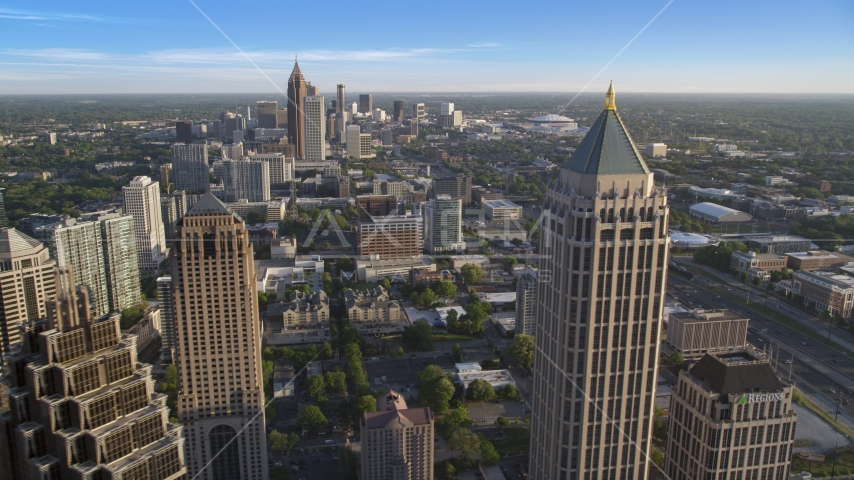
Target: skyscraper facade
pixel 397 441
pixel 190 168
pixel 266 113
pixel 399 110
pixel 281 167
pixel 184 131
pixel 121 261
pixel 396 236
pixel 246 180
pixel 457 187
pixel 418 112
pixel 341 98
pixel 169 216
pixel 27 283
pixel 526 302
pixel 78 246
pixel 730 417
pixel 603 248
pixel 443 225
pixel 142 201
pixel 296 118
pixel 82 406
pixel 218 342
pixel 315 128
pixel 167 319
pixel 366 103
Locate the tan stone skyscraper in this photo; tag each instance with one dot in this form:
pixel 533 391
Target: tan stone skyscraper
pixel 296 115
pixel 218 345
pixel 602 271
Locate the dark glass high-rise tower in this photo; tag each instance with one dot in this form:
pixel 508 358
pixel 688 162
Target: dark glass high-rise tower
pixel 600 295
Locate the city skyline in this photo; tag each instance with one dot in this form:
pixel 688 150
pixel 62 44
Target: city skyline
pixel 679 47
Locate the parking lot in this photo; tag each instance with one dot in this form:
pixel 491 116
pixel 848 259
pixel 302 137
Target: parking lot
pixel 312 464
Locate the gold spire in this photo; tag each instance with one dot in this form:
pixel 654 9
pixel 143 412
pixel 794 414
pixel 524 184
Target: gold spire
pixel 610 101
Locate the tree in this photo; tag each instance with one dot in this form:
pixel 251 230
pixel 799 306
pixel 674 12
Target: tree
pixel 458 418
pixel 456 353
pixel 253 218
pixel 466 442
pixel 345 264
pixel 480 391
pixel 446 289
pixel 364 404
pixel 488 453
pixel 522 350
pixel 471 273
pixel 425 298
pixel 336 382
pixel 509 392
pixel 278 441
pixel 312 419
pixel 658 458
pixel 314 385
pixel 509 263
pixel 326 245
pixel 757 281
pixel 675 358
pixel 293 440
pixel 385 283
pixel 435 389
pixel 419 336
pixel 502 422
pixel 326 351
pixel 449 471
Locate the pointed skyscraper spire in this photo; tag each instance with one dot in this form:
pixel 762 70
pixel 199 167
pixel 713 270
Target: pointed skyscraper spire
pixel 610 100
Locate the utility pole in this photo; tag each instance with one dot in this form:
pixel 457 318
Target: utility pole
pixel 791 366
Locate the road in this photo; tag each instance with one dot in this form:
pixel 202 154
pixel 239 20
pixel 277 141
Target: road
pixel 817 369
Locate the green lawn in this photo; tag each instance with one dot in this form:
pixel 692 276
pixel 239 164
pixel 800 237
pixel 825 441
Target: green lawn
pixel 516 441
pixel 454 337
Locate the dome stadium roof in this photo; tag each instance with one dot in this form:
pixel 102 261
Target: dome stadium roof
pixel 551 118
pixel 688 238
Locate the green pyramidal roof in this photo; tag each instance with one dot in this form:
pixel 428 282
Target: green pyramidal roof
pixel 607 149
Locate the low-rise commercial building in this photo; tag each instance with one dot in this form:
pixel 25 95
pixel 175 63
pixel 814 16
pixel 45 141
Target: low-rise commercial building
pixel 715 213
pixel 757 264
pixel 730 417
pixel 825 291
pixel 372 305
pixel 429 277
pixel 779 243
pixel 501 210
pixel 397 269
pixel 815 260
pixel 496 378
pixel 695 333
pixel 457 261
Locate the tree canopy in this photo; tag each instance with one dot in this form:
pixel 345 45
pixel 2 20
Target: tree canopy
pixel 435 390
pixel 480 391
pixel 419 336
pixel 522 350
pixel 471 273
pixel 311 418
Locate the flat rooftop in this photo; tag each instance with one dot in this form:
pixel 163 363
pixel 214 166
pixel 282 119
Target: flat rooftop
pixel 722 315
pixel 501 203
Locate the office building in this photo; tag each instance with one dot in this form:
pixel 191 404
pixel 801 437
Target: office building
pixel 526 302
pixel 184 131
pixel 27 283
pixel 698 332
pixel 50 137
pixel 168 328
pixel 393 236
pixel 418 112
pixel 311 90
pixel 366 103
pixel 266 114
pixel 165 176
pixel 825 291
pixel 215 129
pixel 81 404
pixel 78 246
pixel 281 167
pixel 296 118
pixel 655 150
pixel 216 303
pixel 397 441
pixel 142 201
pixel 501 210
pixel 315 129
pixel 399 110
pixel 121 262
pixel 386 137
pixel 246 180
pixel 190 168
pixel 358 144
pixel 389 187
pixel 232 151
pixel 458 187
pixel 376 206
pixel 413 127
pixel 732 418
pixel 604 252
pixel 443 225
pixel 341 98
pixel 446 108
pixel 778 243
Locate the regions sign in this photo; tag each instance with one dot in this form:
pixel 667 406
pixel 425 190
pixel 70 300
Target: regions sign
pixel 754 398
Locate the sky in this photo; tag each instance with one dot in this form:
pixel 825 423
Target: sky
pixel 214 46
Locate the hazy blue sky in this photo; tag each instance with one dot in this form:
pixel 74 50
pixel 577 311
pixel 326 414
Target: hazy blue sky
pixel 384 46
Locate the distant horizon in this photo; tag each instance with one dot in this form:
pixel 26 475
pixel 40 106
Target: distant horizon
pixel 332 94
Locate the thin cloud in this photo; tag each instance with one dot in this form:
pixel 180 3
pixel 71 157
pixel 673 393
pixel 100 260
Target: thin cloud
pixel 24 15
pixel 484 45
